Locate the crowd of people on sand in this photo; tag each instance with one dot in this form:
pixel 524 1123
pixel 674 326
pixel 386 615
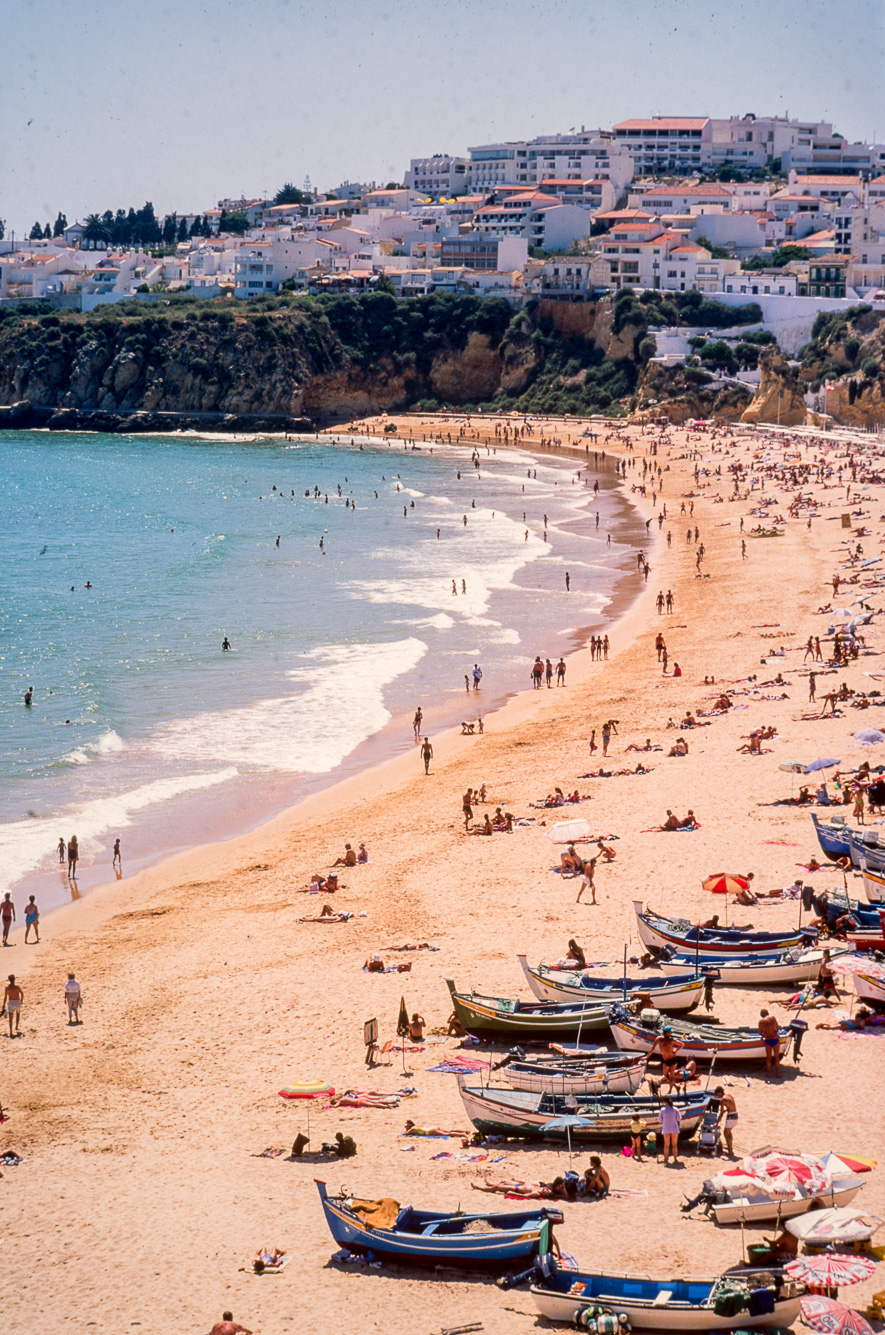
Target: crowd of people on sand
pixel 753 479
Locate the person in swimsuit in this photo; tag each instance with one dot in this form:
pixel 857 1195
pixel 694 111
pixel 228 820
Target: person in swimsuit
pixel 416 723
pixel 32 919
pixel 668 1047
pixel 62 851
pixel 728 1118
pixel 13 997
pixel 426 754
pixel 770 1033
pixel 73 857
pixel 117 859
pixel 7 916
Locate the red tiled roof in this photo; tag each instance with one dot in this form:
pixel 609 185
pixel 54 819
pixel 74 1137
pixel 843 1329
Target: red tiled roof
pixel 687 190
pixel 665 123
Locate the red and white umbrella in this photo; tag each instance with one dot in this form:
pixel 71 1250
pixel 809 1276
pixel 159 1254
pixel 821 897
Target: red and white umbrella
pixel 832 1269
pixel 831 1317
pixel 726 883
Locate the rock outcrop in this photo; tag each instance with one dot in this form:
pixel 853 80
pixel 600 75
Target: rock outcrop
pixel 778 397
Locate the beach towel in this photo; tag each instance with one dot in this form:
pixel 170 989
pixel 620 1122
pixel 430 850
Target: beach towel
pixel 270 1153
pixel 456 1065
pixel 365 1098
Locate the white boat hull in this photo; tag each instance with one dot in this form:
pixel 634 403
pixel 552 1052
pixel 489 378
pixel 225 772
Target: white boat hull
pixel 873 884
pixel 764 974
pixel 563 1309
pixel 555 985
pixel 628 1040
pixel 621 1081
pixel 753 1209
pixel 869 989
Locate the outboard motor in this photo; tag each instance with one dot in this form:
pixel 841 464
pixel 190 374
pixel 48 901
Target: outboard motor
pixel 797 1028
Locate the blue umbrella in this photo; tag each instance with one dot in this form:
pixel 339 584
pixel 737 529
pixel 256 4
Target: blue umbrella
pixel 870 736
pixel 565 1124
pixel 820 764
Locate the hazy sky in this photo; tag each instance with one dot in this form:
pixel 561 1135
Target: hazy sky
pixel 107 103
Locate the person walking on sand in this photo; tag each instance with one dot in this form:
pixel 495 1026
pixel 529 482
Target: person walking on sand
pixel 548 674
pixel 13 997
pixel 7 916
pixel 769 1031
pixel 117 860
pixel 537 674
pixel 606 737
pixel 728 1117
pixel 812 682
pixel 588 883
pixel 32 919
pixel 426 754
pixel 73 857
pixel 467 808
pixel 73 999
pixel 416 723
pixel 560 672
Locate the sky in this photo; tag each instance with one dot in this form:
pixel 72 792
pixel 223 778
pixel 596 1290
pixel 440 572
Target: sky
pixel 107 104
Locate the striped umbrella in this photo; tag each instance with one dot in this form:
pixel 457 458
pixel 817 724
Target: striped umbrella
pixel 831 1269
pixel 725 883
pixel 831 1317
pixel 307 1090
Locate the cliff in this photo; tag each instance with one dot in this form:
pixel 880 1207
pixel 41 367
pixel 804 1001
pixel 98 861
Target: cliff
pixel 779 396
pixel 287 358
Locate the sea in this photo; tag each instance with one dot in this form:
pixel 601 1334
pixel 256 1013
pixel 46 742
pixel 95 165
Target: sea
pixel 345 579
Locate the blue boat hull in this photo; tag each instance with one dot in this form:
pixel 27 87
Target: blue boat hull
pixel 510 1240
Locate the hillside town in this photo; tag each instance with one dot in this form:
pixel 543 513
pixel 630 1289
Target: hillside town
pixel 783 212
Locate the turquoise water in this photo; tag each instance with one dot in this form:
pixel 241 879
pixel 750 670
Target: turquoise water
pixel 138 715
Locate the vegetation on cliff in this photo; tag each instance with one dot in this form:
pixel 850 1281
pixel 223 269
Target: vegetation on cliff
pixel 337 354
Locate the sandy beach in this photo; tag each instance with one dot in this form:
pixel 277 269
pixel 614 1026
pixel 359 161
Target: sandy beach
pixel 141 1197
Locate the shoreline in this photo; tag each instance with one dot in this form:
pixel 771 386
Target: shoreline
pixel 379 747
pixel 389 771
pixel 206 991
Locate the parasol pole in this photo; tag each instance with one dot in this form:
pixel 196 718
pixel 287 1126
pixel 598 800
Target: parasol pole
pixel 743 1248
pixel 625 973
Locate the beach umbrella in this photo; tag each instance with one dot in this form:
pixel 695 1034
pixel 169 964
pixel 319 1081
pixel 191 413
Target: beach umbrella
pixel 566 831
pixel 820 764
pixel 839 1164
pixel 565 1124
pixel 869 736
pixel 793 766
pixel 308 1090
pixel 839 1224
pixel 827 1315
pixel 726 883
pixel 832 1269
pixel 851 964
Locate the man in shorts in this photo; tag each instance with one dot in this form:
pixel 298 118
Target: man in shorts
pixel 667 1046
pixel 770 1033
pixel 426 754
pixel 13 997
pixel 728 1118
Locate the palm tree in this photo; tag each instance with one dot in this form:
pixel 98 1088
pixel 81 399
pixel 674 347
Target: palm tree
pixel 94 229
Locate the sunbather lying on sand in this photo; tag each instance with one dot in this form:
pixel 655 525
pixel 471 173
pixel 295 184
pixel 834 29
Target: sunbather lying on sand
pixel 328 914
pixel 514 1186
pixel 413 1130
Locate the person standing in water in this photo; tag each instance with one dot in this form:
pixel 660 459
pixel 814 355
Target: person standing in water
pixel 416 723
pixel 225 644
pixel 117 860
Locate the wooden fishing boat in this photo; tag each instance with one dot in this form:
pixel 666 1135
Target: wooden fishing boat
pixel 658 933
pixel 510 1018
pixel 747 1205
pixel 486 1241
pixel 758 970
pixel 869 987
pixel 873 883
pixel 702 1042
pixel 835 905
pixel 682 993
pixel 621 1076
pixel 727 1302
pixel 832 837
pixel 867 936
pixel 520 1112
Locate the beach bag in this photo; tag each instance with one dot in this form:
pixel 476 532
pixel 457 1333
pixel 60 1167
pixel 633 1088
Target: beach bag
pixel 730 1302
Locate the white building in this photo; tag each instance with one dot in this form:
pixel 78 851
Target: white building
pixel 590 155
pixel 439 175
pixel 263 266
pixel 663 199
pixel 762 283
pixel 537 217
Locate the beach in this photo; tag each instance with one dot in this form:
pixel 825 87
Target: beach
pixel 143 1193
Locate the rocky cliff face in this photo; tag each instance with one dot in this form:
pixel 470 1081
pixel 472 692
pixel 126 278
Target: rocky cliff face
pixel 778 397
